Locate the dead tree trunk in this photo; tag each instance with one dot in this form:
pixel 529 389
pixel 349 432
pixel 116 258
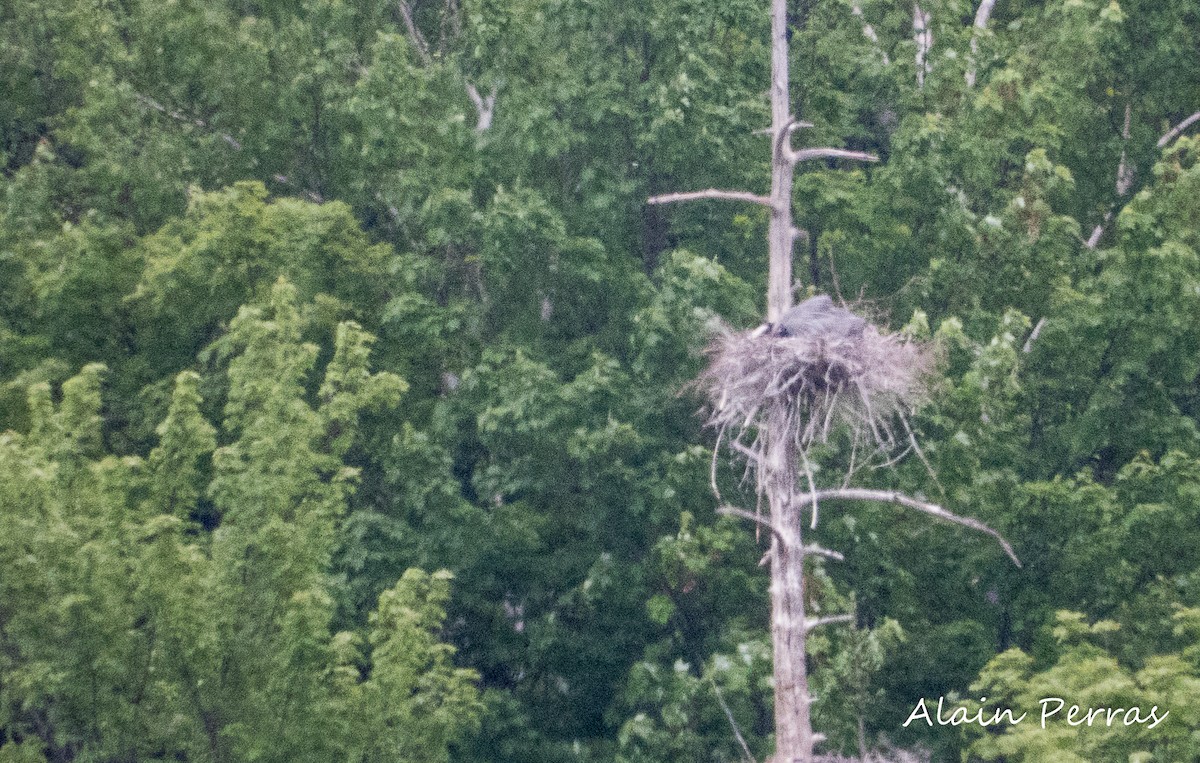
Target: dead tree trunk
pixel 793 719
pixel 780 235
pixel 789 624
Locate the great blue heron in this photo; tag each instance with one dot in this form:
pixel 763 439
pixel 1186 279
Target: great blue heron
pixel 816 317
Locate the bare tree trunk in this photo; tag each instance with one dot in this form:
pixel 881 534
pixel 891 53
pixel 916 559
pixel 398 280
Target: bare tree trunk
pixel 789 626
pixel 779 234
pixel 793 719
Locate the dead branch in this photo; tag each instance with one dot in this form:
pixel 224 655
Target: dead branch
pixel 889 496
pixel 981 19
pixel 814 624
pixel 750 454
pixel 825 552
pixel 313 196
pixel 807 154
pixel 1124 171
pixel 1033 335
pixel 414 34
pixel 484 107
pixel 1177 130
pixel 1125 174
pixel 1123 183
pixel 737 732
pixel 711 193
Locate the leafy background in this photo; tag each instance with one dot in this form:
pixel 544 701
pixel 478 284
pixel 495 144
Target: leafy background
pixel 341 429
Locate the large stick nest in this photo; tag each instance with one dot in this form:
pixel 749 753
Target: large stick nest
pixel 863 384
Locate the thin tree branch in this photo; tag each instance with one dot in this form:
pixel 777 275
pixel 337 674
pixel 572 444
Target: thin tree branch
pixel 1124 171
pixel 1177 130
pixel 313 196
pixel 814 624
pixel 744 450
pixel 414 34
pixel 794 125
pixel 1123 184
pixel 1098 231
pixel 711 193
pixel 888 496
pixel 807 154
pixel 827 553
pixel 737 733
pixel 734 511
pixel 485 108
pixel 1033 335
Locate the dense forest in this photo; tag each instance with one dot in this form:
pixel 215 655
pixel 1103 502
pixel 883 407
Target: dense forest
pixel 345 376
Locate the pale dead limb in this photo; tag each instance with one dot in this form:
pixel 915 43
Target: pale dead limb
pixel 313 196
pixel 747 452
pixel 796 124
pixel 711 193
pixel 916 448
pixel 889 496
pixel 1177 130
pixel 812 486
pixel 830 620
pixel 807 154
pixel 1124 171
pixel 414 34
pixel 923 37
pixel 484 107
pixel 825 552
pixel 1125 175
pixel 981 19
pixel 1033 335
pixel 1098 231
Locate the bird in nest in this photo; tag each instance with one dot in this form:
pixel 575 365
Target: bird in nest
pixel 816 317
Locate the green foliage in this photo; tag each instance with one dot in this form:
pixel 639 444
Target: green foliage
pixel 228 230
pixel 227 633
pixel 1084 672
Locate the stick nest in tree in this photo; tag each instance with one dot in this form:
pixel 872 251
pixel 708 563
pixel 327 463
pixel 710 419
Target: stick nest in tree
pixel 814 385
